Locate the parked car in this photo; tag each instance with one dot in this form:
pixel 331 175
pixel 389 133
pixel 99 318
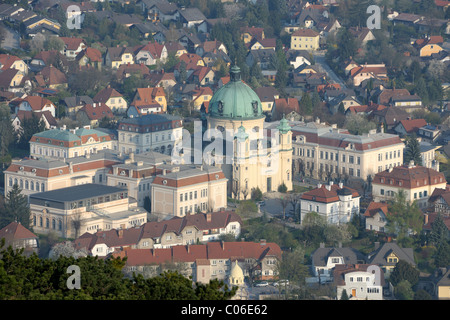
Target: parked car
pixel 262 284
pixel 281 283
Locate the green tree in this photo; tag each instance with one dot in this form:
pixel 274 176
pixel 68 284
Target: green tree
pixel 305 104
pixel 16 208
pixel 358 124
pixel 442 255
pixel 403 291
pixel 344 295
pixel 405 218
pixel 422 295
pixel 404 271
pixel 30 126
pixel 292 266
pixel 439 231
pixel 412 150
pixel 7 135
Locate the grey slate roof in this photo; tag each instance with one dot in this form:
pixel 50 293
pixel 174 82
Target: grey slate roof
pixel 75 193
pixel 350 255
pixel 379 256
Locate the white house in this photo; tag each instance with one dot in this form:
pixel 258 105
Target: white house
pixel 336 203
pixel 360 281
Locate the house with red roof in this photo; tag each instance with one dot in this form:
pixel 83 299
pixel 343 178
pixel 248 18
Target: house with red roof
pixel 90 57
pixel 112 98
pixel 429 45
pixel 376 216
pixel 72 47
pixel 367 71
pixel 209 261
pixel 409 126
pixel 148 100
pixel 8 61
pixel 19 237
pixel 190 229
pixel 36 104
pixel 151 53
pixel 51 77
pixel 92 114
pixel 336 203
pixel 202 76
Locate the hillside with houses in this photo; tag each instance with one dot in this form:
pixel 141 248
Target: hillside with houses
pixel 349 198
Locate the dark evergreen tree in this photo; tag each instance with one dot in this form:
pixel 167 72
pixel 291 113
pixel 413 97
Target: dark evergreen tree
pixel 16 208
pixel 404 271
pixel 412 151
pixel 439 231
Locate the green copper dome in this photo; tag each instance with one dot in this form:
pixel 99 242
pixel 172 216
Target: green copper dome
pixel 235 100
pixel 284 126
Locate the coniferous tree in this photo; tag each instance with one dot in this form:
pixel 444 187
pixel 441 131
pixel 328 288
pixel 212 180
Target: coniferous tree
pixel 439 231
pixel 412 150
pixel 404 271
pixel 16 208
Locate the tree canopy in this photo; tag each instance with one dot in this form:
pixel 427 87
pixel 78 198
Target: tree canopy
pixel 34 278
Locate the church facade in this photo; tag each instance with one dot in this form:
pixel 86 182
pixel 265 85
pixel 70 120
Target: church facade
pixel 255 153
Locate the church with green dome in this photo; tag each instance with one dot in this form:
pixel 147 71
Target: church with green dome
pixel 256 154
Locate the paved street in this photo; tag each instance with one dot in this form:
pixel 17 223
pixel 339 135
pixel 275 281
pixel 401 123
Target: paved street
pixel 319 58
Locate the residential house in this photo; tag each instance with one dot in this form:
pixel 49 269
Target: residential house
pixel 325 259
pixel 322 148
pixel 75 103
pixel 46 58
pixel 72 47
pixel 151 53
pixel 191 189
pixel 268 95
pixel 116 56
pixel 283 106
pixel 266 43
pixel 296 58
pixel 407 19
pixel 439 202
pixel 90 57
pixel 428 133
pixel 162 79
pixel 39 23
pixel 375 216
pixel 409 126
pixel 200 96
pixel 51 77
pixel 92 114
pixel 417 183
pixel 362 34
pixel 12 80
pixel 428 154
pixel 388 255
pixel 409 103
pixel 334 202
pixel 126 70
pixel 151 132
pixel 429 45
pixel 112 98
pixel 250 33
pixel 263 58
pixel 202 76
pixel 210 46
pixel 191 61
pixel 389 117
pixel 443 286
pixel 63 144
pixel 360 281
pixel 190 17
pixel 8 61
pixel 45 117
pixel 210 261
pixel 19 237
pixel 176 48
pixel 347 99
pixel 191 229
pixel 367 71
pixel 162 11
pixel 35 104
pixel 95 206
pixel 305 39
pixel 147 94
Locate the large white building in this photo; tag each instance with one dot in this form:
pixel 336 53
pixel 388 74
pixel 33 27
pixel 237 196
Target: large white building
pixel 334 202
pixel 62 144
pixel 152 132
pixel 324 151
pixel 360 281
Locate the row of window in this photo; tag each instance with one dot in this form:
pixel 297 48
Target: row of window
pixel 390 155
pixel 27 185
pixel 188 209
pixel 193 195
pixel 55 224
pixel 147 138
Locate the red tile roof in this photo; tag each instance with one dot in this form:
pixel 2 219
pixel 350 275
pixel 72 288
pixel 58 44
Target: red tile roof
pixel 97 111
pixel 6 60
pixel 409 177
pixel 322 194
pixel 105 94
pixel 72 43
pixel 375 207
pixel 305 33
pixel 16 231
pixel 412 125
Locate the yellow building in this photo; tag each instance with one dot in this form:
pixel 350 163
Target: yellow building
pixel 261 154
pixel 305 39
pixel 430 45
